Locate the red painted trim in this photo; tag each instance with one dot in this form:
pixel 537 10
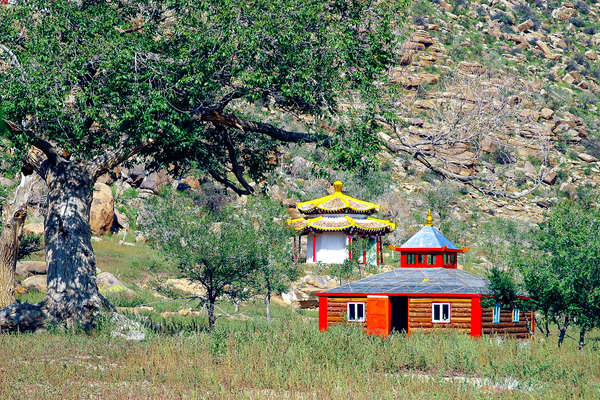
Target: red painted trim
pixel 408 316
pixel 471 295
pixel 349 247
pixel 322 313
pixel 295 251
pixel 428 249
pixel 476 317
pixel 377 247
pixel 314 248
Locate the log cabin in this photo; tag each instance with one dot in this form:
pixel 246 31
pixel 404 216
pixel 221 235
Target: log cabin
pixel 426 293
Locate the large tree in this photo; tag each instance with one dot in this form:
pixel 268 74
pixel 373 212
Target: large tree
pixel 91 84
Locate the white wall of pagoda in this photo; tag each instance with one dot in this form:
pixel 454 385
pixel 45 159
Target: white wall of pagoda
pixel 330 248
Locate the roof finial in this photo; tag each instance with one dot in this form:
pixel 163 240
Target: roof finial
pixel 429 219
pixel 337 186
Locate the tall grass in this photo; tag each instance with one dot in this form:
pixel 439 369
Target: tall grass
pixel 291 359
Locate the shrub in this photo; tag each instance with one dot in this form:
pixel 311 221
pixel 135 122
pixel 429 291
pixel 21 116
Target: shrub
pixel 582 7
pixel 577 22
pixel 420 20
pixel 503 18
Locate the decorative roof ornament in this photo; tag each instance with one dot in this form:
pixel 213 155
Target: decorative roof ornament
pixel 337 186
pixel 325 214
pixel 337 203
pixel 429 219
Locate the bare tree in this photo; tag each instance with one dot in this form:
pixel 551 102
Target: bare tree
pixel 470 132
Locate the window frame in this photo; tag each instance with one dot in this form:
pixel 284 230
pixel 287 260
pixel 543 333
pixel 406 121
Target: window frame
pixel 430 258
pixel 411 257
pixel 516 313
pixel 421 259
pixel 496 313
pixel 354 303
pixel 441 321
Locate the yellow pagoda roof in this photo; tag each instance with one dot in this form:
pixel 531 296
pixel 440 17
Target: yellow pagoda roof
pixel 342 224
pixel 337 202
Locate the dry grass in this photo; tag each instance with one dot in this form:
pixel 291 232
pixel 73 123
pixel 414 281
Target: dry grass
pixel 248 359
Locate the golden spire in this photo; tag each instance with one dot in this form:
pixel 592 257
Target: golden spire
pixel 429 219
pixel 337 186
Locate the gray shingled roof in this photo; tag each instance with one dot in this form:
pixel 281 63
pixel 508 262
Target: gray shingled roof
pixel 418 280
pixel 428 237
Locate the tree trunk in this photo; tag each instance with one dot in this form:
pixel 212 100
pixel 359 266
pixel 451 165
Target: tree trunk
pixel 581 338
pixel 268 305
pixel 211 313
pixel 72 296
pixel 563 331
pixel 14 215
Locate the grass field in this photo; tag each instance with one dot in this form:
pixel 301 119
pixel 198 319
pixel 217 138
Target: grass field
pixel 245 358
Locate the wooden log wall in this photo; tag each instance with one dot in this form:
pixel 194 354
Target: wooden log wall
pixel 337 310
pixel 420 314
pixel 506 327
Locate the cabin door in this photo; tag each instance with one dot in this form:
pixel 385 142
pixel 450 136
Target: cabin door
pixel 399 313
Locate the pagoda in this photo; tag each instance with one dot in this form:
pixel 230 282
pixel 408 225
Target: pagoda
pixel 332 222
pixel 428 248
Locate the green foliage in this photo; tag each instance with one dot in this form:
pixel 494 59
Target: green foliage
pixel 95 80
pixel 30 243
pixel 233 253
pixel 563 275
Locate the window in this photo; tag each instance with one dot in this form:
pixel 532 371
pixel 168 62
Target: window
pixel 431 259
pixel 440 312
pixel 420 259
pixel 410 258
pixel 496 314
pixel 516 314
pixel 356 312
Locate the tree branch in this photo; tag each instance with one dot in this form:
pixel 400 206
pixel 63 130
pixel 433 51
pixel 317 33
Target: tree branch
pixel 111 159
pixel 236 122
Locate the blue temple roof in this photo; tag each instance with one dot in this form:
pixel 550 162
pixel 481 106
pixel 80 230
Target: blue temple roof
pixel 429 237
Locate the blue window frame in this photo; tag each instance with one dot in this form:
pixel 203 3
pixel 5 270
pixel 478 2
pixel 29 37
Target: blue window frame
pixel 496 314
pixel 516 315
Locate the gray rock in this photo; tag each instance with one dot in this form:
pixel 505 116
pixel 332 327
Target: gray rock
pixel 38 282
pixel 28 268
pixel 121 221
pixel 108 283
pixel 155 181
pixel 136 175
pixel 126 328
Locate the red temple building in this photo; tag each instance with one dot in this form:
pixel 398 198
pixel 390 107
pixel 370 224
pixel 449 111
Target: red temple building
pixel 427 292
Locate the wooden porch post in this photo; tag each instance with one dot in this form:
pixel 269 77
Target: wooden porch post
pixel 322 313
pixel 314 247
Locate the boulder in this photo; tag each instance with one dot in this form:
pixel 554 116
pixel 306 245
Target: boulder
pixel 587 157
pixel 108 283
pixel 546 50
pixel 570 189
pixel 28 268
pixel 563 13
pixel 590 55
pixel 103 209
pixel 120 221
pixel 38 282
pixel 550 178
pixel 546 113
pixel 34 228
pixel 525 25
pixel 189 182
pixel 136 175
pixel 320 282
pixel 471 67
pixel 155 181
pixel 187 286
